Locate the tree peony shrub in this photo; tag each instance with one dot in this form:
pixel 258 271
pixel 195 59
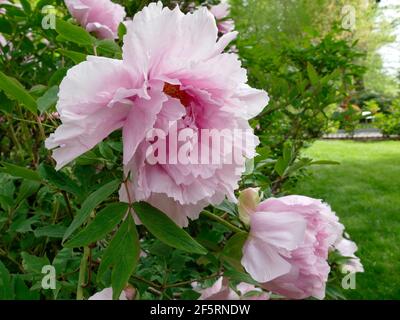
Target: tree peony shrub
pixel 185 110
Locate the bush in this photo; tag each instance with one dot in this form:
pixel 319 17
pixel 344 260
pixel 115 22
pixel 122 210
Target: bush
pixel 389 123
pixel 75 219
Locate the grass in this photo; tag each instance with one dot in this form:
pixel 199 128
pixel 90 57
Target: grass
pixel 364 190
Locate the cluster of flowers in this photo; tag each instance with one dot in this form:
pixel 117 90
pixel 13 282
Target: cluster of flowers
pixel 286 250
pixel 103 17
pixel 174 69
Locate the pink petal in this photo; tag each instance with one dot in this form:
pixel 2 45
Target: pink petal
pixel 106 294
pixel 283 230
pixel 140 120
pixel 262 261
pixel 85 94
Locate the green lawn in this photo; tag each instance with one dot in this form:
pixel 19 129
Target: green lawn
pixel 364 190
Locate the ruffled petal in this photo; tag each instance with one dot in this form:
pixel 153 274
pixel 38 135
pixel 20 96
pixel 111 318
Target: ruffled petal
pixel 85 94
pixel 282 230
pixel 142 117
pixel 263 261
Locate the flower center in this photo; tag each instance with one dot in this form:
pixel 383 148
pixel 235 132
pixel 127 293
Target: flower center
pixel 174 91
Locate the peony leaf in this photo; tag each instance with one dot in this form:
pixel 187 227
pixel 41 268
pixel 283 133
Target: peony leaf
pixel 105 222
pixel 163 228
pixel 59 179
pixel 76 57
pixel 6 290
pixel 232 252
pixel 74 33
pixel 47 100
pixel 16 91
pixel 90 204
pixel 20 172
pixel 122 256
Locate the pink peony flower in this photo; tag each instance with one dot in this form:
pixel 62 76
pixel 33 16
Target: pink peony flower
pixel 273 236
pixel 309 267
pixel 221 12
pixel 289 242
pixel 348 248
pixel 99 16
pixel 173 76
pixel 221 290
pixel 106 294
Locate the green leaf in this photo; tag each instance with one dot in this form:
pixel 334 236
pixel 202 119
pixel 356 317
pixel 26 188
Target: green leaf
pixel 105 150
pixel 105 222
pixel 312 74
pixel 76 57
pixel 32 263
pixel 28 188
pixel 20 172
pixel 6 202
pixel 232 252
pixel 6 290
pixel 6 104
pixel 108 47
pixel 5 26
pixel 23 225
pixel 301 163
pixel 90 204
pixel 51 231
pixel 122 256
pixel 22 291
pixel 49 99
pixel 280 166
pixel 121 31
pixel 240 276
pixel 16 91
pixel 163 228
pixel 287 152
pixel 57 77
pixel 37 90
pixel 190 295
pixel 282 163
pixel 60 261
pixel 74 33
pixel 59 179
pixel 27 6
pixel 228 207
